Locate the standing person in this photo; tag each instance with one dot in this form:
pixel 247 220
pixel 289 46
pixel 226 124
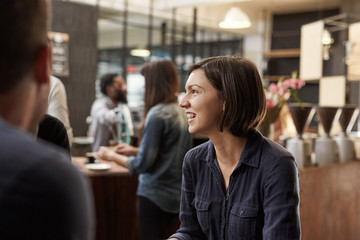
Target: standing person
pixel 57 105
pixel 159 158
pixel 57 100
pixel 104 111
pixel 42 195
pixel 53 130
pixel 239 184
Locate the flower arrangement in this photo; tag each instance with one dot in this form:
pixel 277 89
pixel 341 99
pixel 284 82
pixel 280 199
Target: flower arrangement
pixel 279 93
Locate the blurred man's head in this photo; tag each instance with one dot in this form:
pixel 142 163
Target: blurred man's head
pixel 114 86
pixel 23 59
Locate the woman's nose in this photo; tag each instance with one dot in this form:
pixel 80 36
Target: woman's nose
pixel 184 102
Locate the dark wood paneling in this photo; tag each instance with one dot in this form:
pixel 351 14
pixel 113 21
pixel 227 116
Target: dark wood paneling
pixel 114 192
pixel 115 201
pixel 80 22
pixel 330 202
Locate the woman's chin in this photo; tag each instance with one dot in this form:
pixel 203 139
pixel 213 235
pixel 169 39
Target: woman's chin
pixel 192 130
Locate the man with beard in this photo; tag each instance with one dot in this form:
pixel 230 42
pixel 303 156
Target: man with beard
pixel 107 112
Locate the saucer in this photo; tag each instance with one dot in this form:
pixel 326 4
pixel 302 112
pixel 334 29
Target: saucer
pixel 98 166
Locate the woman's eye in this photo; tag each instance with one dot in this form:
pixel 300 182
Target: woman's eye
pixel 194 91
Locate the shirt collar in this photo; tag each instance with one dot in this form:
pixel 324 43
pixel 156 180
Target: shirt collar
pixel 251 153
pixel 110 103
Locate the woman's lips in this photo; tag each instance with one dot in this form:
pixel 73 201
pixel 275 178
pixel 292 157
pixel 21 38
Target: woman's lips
pixel 190 115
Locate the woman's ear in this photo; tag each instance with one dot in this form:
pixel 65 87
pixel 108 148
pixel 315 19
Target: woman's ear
pixel 42 73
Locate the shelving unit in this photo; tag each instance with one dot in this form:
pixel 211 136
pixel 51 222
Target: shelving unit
pixel 274 78
pixel 279 54
pixel 282 53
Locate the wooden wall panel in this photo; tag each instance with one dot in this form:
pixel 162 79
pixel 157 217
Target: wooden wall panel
pixel 330 202
pixel 80 22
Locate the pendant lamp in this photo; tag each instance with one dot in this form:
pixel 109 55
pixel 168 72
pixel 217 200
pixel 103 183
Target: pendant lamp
pixel 140 52
pixel 235 18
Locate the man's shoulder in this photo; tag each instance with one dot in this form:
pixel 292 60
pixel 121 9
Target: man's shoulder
pixel 35 177
pixel 42 166
pixel 20 152
pixel 55 83
pixel 103 102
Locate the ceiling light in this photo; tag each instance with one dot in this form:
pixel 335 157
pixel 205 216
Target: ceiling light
pixel 140 52
pixel 326 41
pixel 326 38
pixel 235 18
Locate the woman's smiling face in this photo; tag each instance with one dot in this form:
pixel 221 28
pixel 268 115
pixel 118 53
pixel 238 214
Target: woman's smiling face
pixel 202 104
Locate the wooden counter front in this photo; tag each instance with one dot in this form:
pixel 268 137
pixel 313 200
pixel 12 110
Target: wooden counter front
pixel 115 201
pixel 330 202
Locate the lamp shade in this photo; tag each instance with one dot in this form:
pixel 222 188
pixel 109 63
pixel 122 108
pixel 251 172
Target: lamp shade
pixel 140 52
pixel 235 18
pixel 326 38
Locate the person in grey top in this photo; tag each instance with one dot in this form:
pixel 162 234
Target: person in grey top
pixel 159 158
pixel 42 195
pixel 104 111
pixel 239 184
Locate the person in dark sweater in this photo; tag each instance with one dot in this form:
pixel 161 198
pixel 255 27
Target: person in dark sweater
pixel 53 130
pixel 42 195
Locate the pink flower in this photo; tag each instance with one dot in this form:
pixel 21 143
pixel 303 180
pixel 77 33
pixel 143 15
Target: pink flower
pixel 299 83
pixel 274 88
pixel 293 83
pixel 270 104
pixel 278 93
pixel 287 84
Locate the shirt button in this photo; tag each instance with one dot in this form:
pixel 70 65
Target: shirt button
pixel 241 212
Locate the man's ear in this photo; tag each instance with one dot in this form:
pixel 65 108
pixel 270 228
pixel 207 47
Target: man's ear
pixel 109 90
pixel 42 73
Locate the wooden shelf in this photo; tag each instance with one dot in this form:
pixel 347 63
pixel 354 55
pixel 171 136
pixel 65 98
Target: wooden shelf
pixel 275 77
pixel 283 53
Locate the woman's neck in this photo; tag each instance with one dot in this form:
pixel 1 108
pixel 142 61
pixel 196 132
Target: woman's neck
pixel 228 147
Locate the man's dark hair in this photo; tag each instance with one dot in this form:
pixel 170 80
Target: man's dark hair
pixel 23 26
pixel 107 80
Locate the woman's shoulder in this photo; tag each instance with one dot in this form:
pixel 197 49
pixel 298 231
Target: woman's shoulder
pixel 165 110
pixel 201 151
pixel 160 107
pixel 275 155
pixel 276 150
pixel 266 150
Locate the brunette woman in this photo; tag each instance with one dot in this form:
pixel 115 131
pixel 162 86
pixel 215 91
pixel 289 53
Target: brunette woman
pixel 239 184
pixel 158 160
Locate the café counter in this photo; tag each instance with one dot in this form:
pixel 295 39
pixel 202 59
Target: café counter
pixel 115 201
pixel 329 201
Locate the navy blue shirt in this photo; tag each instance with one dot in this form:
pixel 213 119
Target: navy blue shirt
pixel 262 200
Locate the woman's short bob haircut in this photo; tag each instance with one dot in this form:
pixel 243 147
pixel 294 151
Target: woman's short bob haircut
pixel 239 86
